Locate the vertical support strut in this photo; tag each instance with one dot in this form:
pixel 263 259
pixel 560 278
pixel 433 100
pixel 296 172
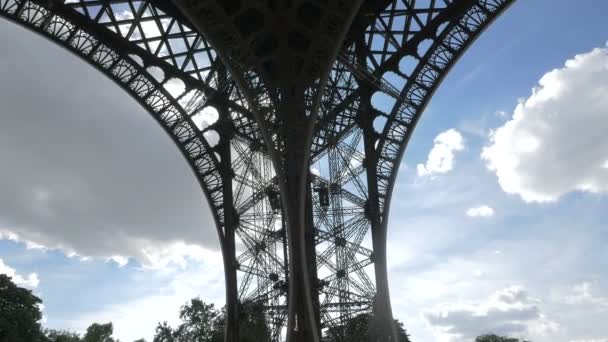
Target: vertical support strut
pixel 228 246
pixel 303 325
pixel 311 253
pixel 381 327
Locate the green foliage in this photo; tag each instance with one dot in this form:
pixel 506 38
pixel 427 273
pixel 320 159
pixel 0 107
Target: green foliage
pixel 99 333
pixel 403 336
pixel 164 333
pixel 95 333
pixel 253 325
pixel 201 322
pixel 356 330
pixel 359 329
pixel 61 336
pixel 20 316
pixel 19 313
pixel 496 338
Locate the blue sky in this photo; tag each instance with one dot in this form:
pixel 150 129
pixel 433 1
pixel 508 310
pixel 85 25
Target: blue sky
pixel 515 249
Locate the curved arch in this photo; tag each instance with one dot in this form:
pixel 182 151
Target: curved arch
pixel 450 41
pixel 170 91
pixel 141 81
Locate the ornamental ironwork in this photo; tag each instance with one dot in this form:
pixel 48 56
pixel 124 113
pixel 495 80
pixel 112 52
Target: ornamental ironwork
pixel 294 116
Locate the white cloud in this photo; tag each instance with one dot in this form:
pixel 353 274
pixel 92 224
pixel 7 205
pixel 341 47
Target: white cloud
pixel 121 261
pixel 91 174
pixel 556 141
pixel 441 157
pixel 582 294
pixel 480 211
pixel 592 340
pixel 44 320
pixel 506 312
pixel 124 15
pixel 31 280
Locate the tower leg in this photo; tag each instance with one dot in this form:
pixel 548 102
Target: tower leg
pixel 303 318
pixel 381 327
pixel 231 333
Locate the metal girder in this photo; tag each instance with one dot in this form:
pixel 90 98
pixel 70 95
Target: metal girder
pixel 294 119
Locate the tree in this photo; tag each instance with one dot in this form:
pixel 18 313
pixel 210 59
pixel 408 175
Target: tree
pixel 164 333
pixel 201 322
pixel 19 313
pixel 355 330
pixel 358 329
pixel 403 335
pixel 496 338
pixel 61 336
pixel 253 324
pixel 99 333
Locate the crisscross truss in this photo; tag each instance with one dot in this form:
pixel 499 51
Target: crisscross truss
pixel 402 56
pixel 394 57
pixel 261 245
pixel 342 228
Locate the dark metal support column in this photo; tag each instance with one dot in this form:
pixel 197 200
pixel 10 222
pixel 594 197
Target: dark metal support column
pixel 228 244
pixel 303 325
pixel 311 254
pixel 381 327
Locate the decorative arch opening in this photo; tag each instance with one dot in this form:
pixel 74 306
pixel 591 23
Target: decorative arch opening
pixel 150 85
pixel 159 219
pixel 151 93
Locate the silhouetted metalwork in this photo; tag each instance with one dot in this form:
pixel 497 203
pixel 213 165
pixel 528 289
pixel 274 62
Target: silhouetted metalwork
pixel 294 116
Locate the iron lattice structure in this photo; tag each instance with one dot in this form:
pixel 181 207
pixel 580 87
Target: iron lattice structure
pixel 294 116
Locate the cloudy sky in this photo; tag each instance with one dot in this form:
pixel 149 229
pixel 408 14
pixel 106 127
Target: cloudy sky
pixel 499 221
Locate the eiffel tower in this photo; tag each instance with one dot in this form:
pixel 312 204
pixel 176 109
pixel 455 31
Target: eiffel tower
pixel 294 116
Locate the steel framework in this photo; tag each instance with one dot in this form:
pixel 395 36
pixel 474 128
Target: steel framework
pixel 294 115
